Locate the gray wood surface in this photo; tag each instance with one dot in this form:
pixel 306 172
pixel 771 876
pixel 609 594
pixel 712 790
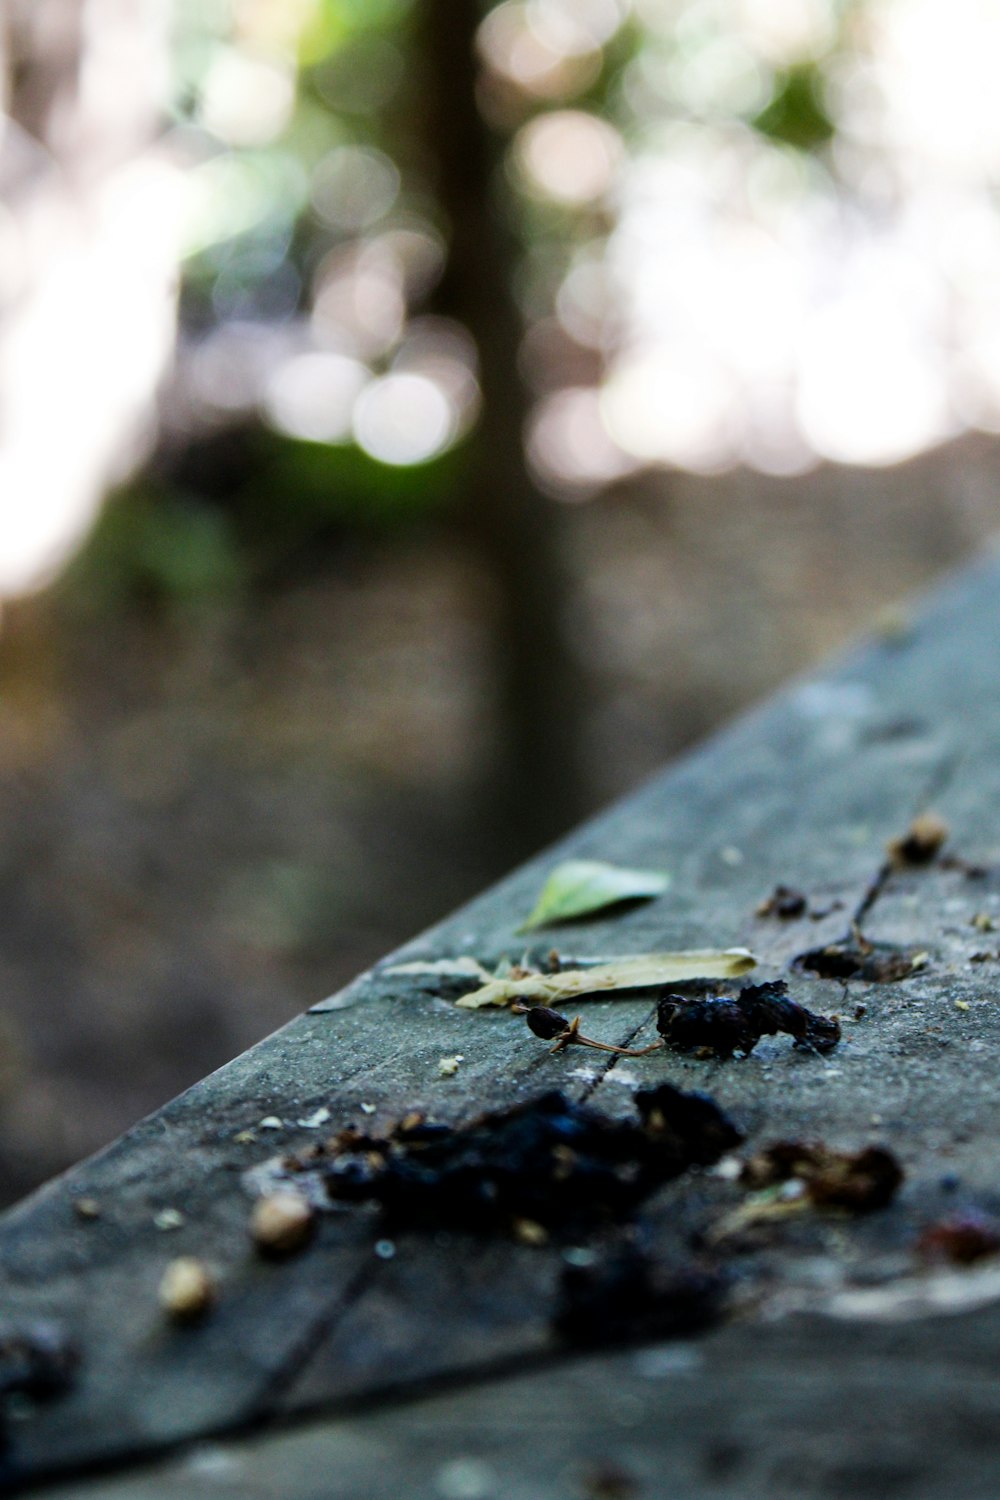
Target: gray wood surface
pixel 843 1350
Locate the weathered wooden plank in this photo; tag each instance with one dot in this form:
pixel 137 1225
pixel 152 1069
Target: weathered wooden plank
pixel 806 792
pixel 800 1409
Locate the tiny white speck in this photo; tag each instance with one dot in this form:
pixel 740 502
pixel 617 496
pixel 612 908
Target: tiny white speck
pixel 671 1359
pixel 579 1255
pixel 729 1168
pixel 465 1479
pixel 271 1122
pixel 367 1109
pixel 318 1117
pixel 168 1218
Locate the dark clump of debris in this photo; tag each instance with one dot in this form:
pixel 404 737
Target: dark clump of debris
pixel 37 1359
pixel 857 959
pixel 921 842
pixel 858 1181
pixel 628 1296
pixel 550 1162
pixel 961 1239
pixel 784 902
pixel 721 1025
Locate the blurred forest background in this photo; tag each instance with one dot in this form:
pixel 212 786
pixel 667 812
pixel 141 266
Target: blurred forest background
pixel 417 422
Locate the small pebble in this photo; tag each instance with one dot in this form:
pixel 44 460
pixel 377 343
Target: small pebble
pixel 187 1289
pixel 367 1109
pixel 448 1066
pixel 86 1208
pixel 281 1223
pixel 271 1122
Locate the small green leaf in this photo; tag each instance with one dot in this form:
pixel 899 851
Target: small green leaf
pixel 579 886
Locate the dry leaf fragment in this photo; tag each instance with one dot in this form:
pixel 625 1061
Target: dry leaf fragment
pixel 457 968
pixel 640 971
pixel 580 886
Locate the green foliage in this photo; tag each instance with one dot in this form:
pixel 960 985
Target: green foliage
pixel 795 113
pixel 578 887
pixel 158 548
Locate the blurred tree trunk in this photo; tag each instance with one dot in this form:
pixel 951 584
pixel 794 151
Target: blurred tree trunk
pixel 537 791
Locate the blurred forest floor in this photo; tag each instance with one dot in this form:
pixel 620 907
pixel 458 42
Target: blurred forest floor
pixel 208 821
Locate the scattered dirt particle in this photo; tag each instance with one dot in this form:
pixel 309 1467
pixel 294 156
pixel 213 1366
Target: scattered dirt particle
pixel 983 922
pixel 529 1232
pixel 281 1223
pixel 969 869
pixel 921 842
pixel 784 902
pixel 962 1239
pixel 86 1208
pixel 187 1289
pixel 858 1181
pixel 609 1481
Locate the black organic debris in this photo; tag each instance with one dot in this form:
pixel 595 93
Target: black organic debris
pixel 723 1025
pixel 550 1162
pixel 854 959
pixel 628 1296
pixel 37 1359
pixel 858 1181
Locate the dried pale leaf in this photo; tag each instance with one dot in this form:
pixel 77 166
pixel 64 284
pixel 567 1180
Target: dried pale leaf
pixel 634 973
pixel 459 968
pixel 579 886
